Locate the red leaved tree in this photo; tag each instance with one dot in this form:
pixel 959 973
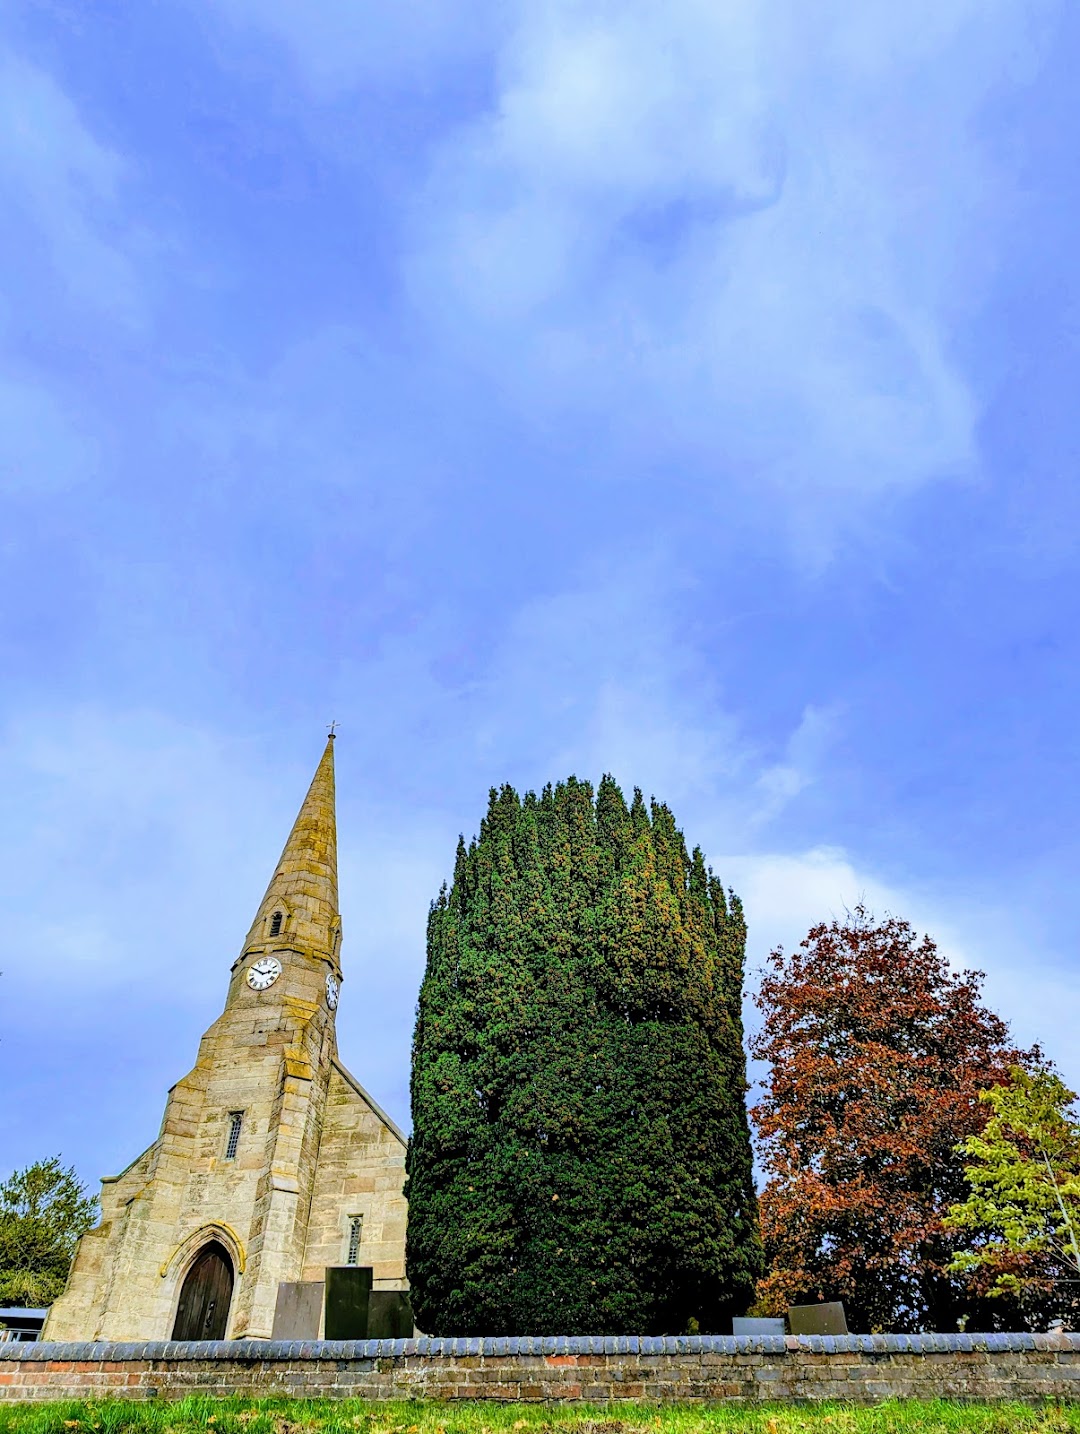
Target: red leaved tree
pixel 878 1052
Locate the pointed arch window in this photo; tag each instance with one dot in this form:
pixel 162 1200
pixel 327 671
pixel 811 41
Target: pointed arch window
pixel 277 921
pixel 356 1226
pixel 232 1144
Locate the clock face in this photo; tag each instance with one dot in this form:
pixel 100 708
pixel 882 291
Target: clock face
pixel 332 989
pixel 263 973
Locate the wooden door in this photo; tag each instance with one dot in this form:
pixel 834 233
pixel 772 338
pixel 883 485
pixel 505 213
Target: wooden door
pixel 203 1311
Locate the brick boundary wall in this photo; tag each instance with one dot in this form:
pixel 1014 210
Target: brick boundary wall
pixel 858 1368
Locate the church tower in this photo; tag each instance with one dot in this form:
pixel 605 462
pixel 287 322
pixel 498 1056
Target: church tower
pixel 272 1162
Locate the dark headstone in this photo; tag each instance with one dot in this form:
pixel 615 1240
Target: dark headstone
pixel 757 1326
pixel 348 1293
pixel 298 1312
pixel 824 1318
pixel 390 1315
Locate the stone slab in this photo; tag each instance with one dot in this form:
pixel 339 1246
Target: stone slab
pixel 826 1317
pixel 298 1313
pixel 746 1325
pixel 390 1315
pixel 347 1301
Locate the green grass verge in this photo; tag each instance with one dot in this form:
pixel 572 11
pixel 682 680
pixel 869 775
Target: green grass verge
pixel 356 1416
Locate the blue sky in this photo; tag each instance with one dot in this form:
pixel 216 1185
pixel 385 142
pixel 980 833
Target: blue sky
pixel 686 391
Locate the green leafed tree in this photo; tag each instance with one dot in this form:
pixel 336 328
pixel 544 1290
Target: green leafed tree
pixel 44 1209
pixel 1023 1209
pixel 580 1159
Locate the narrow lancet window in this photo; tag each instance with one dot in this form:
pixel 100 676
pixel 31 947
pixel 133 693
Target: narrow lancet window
pixel 276 923
pixel 356 1224
pixel 236 1120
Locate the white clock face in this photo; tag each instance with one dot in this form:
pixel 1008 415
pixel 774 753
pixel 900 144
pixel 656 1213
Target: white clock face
pixel 332 989
pixel 263 973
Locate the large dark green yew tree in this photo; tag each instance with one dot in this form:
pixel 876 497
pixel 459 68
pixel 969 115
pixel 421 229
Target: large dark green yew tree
pixel 580 1159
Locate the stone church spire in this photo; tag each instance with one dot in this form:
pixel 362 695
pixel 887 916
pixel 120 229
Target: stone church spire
pixel 300 907
pixel 272 1163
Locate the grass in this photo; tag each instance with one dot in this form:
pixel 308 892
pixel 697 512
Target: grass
pixel 354 1416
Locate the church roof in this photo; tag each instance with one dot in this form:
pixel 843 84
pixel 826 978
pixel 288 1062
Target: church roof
pixel 391 1124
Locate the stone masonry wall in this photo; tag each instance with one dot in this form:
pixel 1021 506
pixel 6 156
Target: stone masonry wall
pixel 360 1171
pixel 858 1368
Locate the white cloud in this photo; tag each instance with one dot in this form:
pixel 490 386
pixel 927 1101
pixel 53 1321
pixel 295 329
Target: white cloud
pixel 599 676
pixel 730 238
pixel 340 44
pixel 608 685
pixel 734 233
pixel 136 851
pixel 392 864
pixel 134 834
pixel 55 172
pixel 785 893
pixel 42 445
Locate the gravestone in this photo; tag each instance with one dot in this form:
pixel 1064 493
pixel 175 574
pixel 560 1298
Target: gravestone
pixel 825 1318
pixel 298 1312
pixel 348 1296
pixel 747 1325
pixel 390 1315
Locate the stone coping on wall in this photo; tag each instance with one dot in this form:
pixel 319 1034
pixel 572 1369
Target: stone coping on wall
pixel 489 1346
pixel 857 1368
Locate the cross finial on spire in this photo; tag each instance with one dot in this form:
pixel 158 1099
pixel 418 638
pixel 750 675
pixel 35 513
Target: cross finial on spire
pixel 332 729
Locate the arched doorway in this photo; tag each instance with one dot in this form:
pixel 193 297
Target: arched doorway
pixel 203 1311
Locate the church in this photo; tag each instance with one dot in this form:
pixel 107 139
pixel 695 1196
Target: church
pixel 273 1163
